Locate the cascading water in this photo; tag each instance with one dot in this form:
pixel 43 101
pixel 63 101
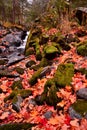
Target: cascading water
pixel 22 46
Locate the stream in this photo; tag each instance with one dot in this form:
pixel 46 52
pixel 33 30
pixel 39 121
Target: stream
pixel 12 48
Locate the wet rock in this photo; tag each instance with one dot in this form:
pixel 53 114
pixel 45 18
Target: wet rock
pixel 46 70
pixel 13 40
pixel 6 73
pixel 78 109
pixel 17 100
pixel 14 58
pixel 48 114
pixel 30 63
pixel 19 70
pixel 23 34
pixel 82 93
pixel 2 49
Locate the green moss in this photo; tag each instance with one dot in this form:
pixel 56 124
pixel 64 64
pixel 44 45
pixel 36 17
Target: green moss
pixel 25 93
pixel 82 49
pixel 44 62
pixel 19 70
pixel 64 74
pixel 2 62
pixel 80 106
pixel 11 96
pixel 35 76
pixel 44 39
pixel 30 63
pixel 15 99
pixel 17 84
pixel 29 52
pixel 35 67
pixel 50 49
pixel 16 126
pixel 38 53
pixel 57 46
pixel 49 95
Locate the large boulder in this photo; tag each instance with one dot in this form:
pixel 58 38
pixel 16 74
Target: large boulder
pixel 78 109
pixel 64 74
pixel 13 40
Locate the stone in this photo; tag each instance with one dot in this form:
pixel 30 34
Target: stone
pixel 64 74
pixel 19 70
pixel 13 40
pixel 78 109
pixel 48 114
pixel 17 100
pixel 17 85
pixel 35 76
pixel 30 63
pixel 82 93
pixel 14 58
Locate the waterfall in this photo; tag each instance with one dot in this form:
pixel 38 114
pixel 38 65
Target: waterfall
pixel 22 46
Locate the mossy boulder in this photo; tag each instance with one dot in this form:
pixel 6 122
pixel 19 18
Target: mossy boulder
pixel 29 51
pixel 16 101
pixel 50 51
pixel 44 39
pixel 35 76
pixel 17 85
pixel 11 96
pixel 30 63
pixel 19 70
pixel 49 95
pixel 23 93
pixel 38 52
pixel 17 126
pixel 64 74
pixel 82 49
pixel 34 34
pixel 79 109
